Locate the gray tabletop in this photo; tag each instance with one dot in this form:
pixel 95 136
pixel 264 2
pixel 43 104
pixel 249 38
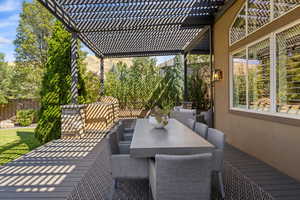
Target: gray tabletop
pixel 174 139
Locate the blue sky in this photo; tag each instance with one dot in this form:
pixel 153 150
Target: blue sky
pixel 9 17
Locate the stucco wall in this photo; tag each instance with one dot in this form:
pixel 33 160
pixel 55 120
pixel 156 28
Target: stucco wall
pixel 278 144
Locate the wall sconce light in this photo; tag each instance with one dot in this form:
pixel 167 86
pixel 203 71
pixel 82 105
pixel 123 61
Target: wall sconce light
pixel 218 75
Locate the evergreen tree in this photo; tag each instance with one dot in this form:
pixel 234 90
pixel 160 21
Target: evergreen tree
pixel 198 81
pixel 173 81
pixel 56 85
pixel 34 29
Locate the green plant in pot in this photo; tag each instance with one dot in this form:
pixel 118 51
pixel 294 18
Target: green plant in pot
pixel 159 117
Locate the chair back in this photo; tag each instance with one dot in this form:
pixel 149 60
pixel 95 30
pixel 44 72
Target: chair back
pixel 187 110
pixel 183 177
pixel 191 123
pixel 217 138
pixel 207 116
pixel 113 141
pixel 120 131
pixel 201 129
pixel 183 116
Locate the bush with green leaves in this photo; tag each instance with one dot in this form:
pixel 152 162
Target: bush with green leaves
pixel 133 85
pixel 56 85
pixel 25 117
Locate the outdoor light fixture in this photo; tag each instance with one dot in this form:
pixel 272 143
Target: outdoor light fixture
pixel 218 75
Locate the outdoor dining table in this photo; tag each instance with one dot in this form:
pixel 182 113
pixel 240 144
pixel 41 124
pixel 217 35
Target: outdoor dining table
pixel 174 139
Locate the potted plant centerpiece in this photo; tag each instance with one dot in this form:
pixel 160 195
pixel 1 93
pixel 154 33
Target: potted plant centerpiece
pixel 159 117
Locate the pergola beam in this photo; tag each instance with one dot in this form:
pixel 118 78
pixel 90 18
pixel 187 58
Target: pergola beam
pixel 226 6
pixel 196 39
pixel 68 22
pixel 114 28
pixel 97 6
pixel 143 54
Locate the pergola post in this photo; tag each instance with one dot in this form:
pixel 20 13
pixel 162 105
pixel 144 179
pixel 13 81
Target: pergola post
pixel 212 70
pixel 185 77
pixel 74 68
pixel 101 76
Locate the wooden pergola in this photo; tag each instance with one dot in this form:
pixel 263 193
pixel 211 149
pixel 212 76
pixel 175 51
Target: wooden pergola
pixel 130 28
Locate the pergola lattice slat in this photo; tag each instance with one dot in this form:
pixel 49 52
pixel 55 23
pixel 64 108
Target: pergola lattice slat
pixel 118 28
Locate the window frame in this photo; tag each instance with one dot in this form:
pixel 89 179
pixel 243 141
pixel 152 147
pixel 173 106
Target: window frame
pixel 236 16
pixel 272 18
pixel 273 86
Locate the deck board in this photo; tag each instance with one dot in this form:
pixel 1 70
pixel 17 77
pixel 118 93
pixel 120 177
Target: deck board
pixel 61 162
pixel 277 184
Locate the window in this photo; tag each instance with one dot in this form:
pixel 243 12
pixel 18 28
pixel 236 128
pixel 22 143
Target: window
pixel 288 70
pixel 239 79
pixel 283 6
pixel 259 76
pixel 238 30
pixel 253 89
pixel 256 13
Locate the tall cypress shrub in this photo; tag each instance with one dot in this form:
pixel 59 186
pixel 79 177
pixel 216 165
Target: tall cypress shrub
pixel 56 85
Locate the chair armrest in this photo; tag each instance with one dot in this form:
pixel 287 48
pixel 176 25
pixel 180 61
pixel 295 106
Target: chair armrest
pixel 124 166
pixel 124 147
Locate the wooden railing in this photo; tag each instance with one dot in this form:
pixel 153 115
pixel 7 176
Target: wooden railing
pixel 88 119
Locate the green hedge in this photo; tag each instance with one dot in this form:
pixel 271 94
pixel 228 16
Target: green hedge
pixel 26 117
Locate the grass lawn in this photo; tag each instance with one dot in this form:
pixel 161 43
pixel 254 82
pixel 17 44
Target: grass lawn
pixel 15 143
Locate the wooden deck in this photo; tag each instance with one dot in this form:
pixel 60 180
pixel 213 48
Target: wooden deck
pixel 272 181
pixel 61 169
pixel 80 169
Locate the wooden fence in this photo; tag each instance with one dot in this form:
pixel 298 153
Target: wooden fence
pixel 10 109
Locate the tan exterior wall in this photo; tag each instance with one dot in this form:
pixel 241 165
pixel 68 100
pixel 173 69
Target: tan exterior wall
pixel 275 141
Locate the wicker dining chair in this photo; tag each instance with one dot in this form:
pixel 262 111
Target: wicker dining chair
pixel 181 177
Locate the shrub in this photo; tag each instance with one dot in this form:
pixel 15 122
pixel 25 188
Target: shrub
pixel 56 85
pixel 25 117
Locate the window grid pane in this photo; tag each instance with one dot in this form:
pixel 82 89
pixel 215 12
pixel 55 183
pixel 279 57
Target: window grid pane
pixel 258 14
pixel 283 6
pixel 238 30
pixel 288 71
pixel 259 76
pixel 239 79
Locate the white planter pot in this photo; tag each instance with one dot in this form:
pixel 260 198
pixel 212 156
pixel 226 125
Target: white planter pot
pixel 155 123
